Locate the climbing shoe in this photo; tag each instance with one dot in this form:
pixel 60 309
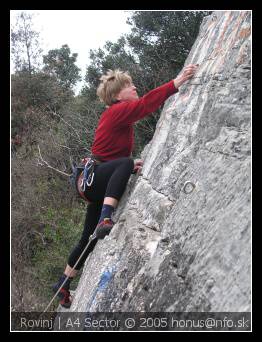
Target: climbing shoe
pixel 63 295
pixel 104 228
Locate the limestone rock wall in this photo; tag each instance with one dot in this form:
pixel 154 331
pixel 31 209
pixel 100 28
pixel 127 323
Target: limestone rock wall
pixel 177 251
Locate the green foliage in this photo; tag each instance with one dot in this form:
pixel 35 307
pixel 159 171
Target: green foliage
pixel 38 90
pixel 161 40
pixel 63 228
pixel 61 64
pixel 35 99
pixel 47 220
pixel 153 53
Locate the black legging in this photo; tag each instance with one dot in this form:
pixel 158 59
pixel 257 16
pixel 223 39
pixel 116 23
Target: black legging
pixel 110 180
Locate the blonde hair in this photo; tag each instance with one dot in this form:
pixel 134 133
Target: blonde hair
pixel 111 84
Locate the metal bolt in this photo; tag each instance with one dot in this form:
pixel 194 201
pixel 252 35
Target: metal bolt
pixel 188 187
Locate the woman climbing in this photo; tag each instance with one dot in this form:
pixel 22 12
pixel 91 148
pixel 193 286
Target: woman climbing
pixel 111 151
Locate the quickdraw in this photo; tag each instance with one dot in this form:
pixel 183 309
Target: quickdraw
pixel 88 174
pixel 83 175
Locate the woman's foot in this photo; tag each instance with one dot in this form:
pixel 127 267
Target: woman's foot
pixel 64 296
pixel 104 228
pixel 64 293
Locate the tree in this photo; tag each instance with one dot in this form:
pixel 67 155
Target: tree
pixel 162 41
pixel 25 46
pixel 61 64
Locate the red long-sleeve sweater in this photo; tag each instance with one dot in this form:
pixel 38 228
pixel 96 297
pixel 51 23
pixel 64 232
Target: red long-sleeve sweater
pixel 114 136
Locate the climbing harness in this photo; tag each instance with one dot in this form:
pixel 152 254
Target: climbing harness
pixel 83 175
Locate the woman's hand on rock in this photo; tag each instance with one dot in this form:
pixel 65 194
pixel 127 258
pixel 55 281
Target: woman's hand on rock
pixel 187 73
pixel 138 164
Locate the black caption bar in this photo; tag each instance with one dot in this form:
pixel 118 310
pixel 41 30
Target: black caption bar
pixel 131 321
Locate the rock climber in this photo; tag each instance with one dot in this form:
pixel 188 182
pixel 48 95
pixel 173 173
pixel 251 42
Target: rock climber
pixel 111 149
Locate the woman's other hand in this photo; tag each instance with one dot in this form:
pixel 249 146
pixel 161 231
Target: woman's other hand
pixel 138 164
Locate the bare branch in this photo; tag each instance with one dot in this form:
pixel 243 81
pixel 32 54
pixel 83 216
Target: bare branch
pixel 57 144
pixel 67 123
pixel 48 165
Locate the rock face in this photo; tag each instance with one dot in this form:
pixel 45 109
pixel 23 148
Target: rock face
pixel 181 246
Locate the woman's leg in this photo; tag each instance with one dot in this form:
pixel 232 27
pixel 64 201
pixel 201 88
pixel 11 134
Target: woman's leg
pixel 91 220
pixel 110 181
pixel 111 201
pixel 118 180
pixel 112 178
pixel 109 185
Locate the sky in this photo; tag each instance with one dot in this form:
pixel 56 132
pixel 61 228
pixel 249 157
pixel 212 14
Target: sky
pixel 81 30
